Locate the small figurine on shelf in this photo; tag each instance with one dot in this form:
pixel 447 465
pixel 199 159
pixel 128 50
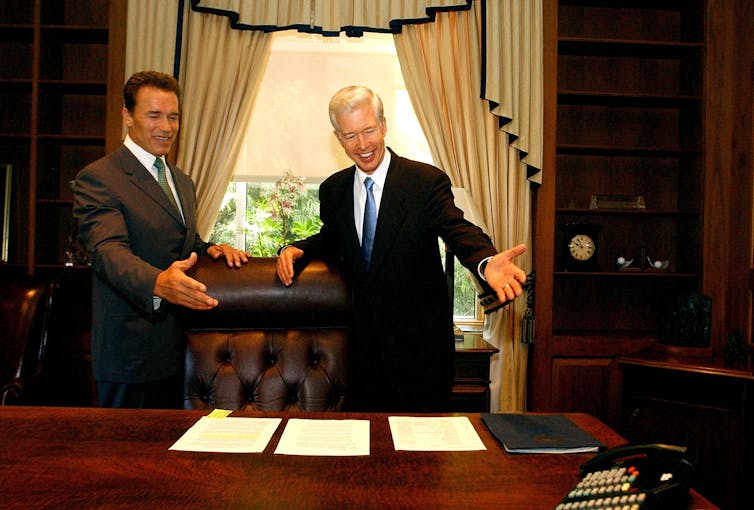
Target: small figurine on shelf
pixel 622 263
pixel 658 265
pixel 734 352
pixel 75 253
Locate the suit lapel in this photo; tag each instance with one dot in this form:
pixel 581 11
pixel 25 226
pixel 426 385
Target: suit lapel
pixel 143 180
pixel 185 192
pixel 344 214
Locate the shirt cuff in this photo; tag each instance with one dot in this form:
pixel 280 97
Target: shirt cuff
pixel 481 267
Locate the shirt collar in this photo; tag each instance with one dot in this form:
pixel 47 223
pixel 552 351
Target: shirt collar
pixel 145 158
pixel 379 175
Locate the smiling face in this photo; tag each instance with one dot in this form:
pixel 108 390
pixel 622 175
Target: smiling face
pixel 153 123
pixel 362 136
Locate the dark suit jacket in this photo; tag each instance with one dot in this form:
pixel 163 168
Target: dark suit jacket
pixel 133 232
pixel 403 345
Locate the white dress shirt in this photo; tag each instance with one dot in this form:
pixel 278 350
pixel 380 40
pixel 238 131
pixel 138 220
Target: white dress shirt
pixel 360 192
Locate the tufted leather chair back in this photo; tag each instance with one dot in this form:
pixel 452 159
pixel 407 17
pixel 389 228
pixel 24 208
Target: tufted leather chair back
pixel 266 347
pixel 24 314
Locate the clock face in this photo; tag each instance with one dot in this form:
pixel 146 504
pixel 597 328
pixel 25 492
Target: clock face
pixel 581 247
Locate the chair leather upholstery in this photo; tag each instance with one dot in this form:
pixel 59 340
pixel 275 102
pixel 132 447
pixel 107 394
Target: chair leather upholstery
pixel 267 347
pixel 25 307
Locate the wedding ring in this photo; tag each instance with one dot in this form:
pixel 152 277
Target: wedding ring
pixel 507 285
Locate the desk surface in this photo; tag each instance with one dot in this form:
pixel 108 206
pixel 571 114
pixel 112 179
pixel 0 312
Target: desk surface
pixel 474 342
pixel 104 458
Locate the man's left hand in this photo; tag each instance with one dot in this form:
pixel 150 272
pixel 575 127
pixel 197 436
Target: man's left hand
pixel 233 256
pixel 505 277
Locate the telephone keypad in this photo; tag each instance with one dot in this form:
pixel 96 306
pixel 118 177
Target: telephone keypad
pixel 609 489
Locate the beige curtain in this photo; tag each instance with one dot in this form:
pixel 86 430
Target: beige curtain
pixel 511 42
pixel 150 36
pixel 513 81
pixel 442 66
pixel 220 74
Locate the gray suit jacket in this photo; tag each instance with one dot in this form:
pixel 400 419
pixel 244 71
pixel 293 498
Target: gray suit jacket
pixel 133 232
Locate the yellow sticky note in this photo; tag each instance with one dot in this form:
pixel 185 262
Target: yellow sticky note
pixel 219 413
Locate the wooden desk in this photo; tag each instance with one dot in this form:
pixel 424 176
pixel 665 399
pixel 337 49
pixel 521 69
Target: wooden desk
pixel 471 389
pixel 105 458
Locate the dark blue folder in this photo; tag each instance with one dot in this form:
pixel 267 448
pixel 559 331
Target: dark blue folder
pixel 535 433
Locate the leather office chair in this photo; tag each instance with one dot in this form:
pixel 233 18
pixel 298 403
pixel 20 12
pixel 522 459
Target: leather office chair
pixel 266 347
pixel 24 314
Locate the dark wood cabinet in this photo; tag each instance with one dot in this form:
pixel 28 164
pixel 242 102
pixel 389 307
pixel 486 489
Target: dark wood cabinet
pixel 638 103
pixel 629 152
pixel 61 66
pixel 61 80
pixel 471 389
pixel 703 406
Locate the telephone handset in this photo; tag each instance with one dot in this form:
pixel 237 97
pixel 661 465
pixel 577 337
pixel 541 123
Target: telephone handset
pixel 635 476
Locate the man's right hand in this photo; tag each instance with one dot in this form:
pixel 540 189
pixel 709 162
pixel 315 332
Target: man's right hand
pixel 173 284
pixel 285 263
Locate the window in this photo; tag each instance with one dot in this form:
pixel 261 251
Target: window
pixel 289 139
pixel 256 217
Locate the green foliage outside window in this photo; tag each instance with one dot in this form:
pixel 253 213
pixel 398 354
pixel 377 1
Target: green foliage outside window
pixel 464 291
pixel 276 215
pixel 465 298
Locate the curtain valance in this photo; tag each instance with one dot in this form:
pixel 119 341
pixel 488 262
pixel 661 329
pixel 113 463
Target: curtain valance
pixel 327 17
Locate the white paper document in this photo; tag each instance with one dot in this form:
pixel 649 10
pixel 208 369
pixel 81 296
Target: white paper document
pixel 434 433
pixel 324 437
pixel 228 435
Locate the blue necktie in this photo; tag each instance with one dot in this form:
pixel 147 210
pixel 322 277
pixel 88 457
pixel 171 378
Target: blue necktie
pixel 370 222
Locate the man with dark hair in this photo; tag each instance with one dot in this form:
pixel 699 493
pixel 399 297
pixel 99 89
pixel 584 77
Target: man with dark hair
pixel 137 219
pixel 380 222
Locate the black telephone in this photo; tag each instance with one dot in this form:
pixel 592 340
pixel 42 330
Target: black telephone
pixel 634 476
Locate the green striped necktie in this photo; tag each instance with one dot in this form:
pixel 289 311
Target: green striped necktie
pixel 162 179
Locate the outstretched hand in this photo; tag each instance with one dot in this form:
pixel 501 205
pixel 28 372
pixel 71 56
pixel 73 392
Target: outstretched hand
pixel 505 277
pixel 175 286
